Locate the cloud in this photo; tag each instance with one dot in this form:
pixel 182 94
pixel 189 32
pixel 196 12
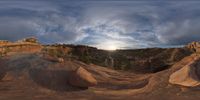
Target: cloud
pixel 37 19
pixel 14 28
pixel 179 33
pixel 125 24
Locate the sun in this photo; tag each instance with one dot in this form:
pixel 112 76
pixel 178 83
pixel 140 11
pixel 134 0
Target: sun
pixel 111 47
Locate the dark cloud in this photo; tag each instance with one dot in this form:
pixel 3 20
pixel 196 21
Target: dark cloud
pixel 123 24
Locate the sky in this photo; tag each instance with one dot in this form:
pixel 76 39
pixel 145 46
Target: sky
pixel 105 24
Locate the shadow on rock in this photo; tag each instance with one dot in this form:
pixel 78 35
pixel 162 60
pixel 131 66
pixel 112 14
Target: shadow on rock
pixel 133 85
pixel 3 66
pixel 2 74
pixel 53 79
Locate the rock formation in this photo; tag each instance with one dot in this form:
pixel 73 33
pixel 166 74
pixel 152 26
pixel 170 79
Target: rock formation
pixel 50 75
pixel 53 59
pixel 109 62
pixel 188 75
pixel 30 40
pixel 82 78
pixel 4 42
pixel 194 46
pixel 28 45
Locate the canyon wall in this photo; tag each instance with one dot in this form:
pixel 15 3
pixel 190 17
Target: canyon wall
pixel 8 48
pixel 139 60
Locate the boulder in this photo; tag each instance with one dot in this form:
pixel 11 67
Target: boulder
pixel 188 75
pixel 53 59
pixel 61 60
pixel 82 78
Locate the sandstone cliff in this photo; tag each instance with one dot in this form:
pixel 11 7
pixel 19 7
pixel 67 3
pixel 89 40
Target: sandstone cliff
pixel 29 45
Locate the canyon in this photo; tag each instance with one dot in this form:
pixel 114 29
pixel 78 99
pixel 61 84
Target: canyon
pixel 31 70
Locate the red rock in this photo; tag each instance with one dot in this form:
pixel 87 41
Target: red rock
pixel 82 78
pixel 187 75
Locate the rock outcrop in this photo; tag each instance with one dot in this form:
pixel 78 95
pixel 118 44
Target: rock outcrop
pixel 53 59
pixel 4 42
pixel 109 62
pixel 30 40
pixel 194 46
pixel 28 45
pixel 82 78
pixel 188 75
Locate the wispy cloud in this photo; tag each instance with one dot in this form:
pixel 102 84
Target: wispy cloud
pixel 126 24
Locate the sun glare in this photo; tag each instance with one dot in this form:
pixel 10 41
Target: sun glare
pixel 112 47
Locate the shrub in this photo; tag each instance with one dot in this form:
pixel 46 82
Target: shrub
pixel 85 59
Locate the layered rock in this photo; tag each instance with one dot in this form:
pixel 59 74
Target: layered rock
pixel 53 59
pixel 30 40
pixel 188 75
pixel 4 42
pixel 28 45
pixel 82 78
pixel 194 46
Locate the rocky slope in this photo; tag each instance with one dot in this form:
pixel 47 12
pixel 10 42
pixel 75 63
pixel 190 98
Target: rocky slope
pixel 31 76
pixel 140 60
pixel 58 72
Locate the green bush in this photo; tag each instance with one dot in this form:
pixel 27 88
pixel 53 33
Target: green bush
pixel 85 59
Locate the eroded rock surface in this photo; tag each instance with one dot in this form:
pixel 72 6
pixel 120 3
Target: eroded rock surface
pixel 82 78
pixel 188 75
pixel 194 46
